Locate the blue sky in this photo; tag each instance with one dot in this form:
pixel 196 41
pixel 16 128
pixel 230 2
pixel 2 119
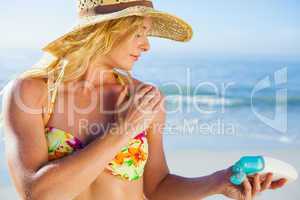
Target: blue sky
pixel 228 27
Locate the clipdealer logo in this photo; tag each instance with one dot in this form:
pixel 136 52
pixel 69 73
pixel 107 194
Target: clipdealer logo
pixel 279 121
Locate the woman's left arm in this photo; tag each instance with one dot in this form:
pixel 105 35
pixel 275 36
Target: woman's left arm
pixel 160 184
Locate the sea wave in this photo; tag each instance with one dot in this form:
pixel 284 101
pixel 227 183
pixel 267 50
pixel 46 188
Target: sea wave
pixel 211 100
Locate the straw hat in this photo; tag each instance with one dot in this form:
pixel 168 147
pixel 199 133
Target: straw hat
pixel 91 12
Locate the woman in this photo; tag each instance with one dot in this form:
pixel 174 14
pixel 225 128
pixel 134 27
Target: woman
pixel 99 134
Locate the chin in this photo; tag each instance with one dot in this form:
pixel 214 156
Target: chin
pixel 126 67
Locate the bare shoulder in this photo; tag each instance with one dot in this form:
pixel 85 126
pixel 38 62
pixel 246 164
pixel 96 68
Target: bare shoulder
pixel 28 91
pixel 162 107
pixel 138 83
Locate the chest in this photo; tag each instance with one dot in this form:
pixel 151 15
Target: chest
pixel 88 117
pixel 85 115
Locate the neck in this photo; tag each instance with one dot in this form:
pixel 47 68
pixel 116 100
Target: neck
pixel 98 74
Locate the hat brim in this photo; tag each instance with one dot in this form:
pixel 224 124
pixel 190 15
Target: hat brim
pixel 164 25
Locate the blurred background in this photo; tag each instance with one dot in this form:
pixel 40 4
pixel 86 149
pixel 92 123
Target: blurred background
pixel 215 114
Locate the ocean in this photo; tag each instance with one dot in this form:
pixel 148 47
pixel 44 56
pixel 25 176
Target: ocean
pixel 212 104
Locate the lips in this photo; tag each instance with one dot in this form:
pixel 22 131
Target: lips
pixel 136 57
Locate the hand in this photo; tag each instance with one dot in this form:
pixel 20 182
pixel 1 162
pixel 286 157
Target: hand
pixel 251 186
pixel 136 113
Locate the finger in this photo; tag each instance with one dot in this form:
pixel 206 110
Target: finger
pixel 146 102
pixel 279 183
pixel 256 185
pixel 150 95
pixel 153 101
pixel 267 182
pixel 142 91
pixel 152 106
pixel 247 189
pixel 263 177
pixel 159 104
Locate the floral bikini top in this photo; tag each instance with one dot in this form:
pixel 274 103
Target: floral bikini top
pixel 128 164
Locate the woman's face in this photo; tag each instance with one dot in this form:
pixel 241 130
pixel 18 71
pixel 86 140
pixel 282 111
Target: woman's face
pixel 128 51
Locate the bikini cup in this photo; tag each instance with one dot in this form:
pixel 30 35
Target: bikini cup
pixel 128 164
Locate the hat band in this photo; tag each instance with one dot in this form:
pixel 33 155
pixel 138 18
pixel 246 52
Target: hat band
pixel 106 9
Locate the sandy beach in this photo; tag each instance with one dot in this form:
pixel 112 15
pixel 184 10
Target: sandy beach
pixel 195 163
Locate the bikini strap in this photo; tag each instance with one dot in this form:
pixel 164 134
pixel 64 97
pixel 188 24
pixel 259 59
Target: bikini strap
pixel 120 77
pixel 53 90
pixel 123 79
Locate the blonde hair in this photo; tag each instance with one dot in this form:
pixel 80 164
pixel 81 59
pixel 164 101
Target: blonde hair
pixel 70 58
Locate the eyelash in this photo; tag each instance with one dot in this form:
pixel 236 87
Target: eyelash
pixel 140 34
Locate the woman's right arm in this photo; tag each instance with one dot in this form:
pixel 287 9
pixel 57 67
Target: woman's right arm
pixel 27 153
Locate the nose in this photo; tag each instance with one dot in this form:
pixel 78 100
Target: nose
pixel 145 46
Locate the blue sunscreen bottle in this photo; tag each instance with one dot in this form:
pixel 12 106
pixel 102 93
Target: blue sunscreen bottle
pixel 247 165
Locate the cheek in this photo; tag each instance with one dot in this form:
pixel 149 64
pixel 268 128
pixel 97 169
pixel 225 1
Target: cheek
pixel 119 55
pixel 124 52
pixel 122 58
